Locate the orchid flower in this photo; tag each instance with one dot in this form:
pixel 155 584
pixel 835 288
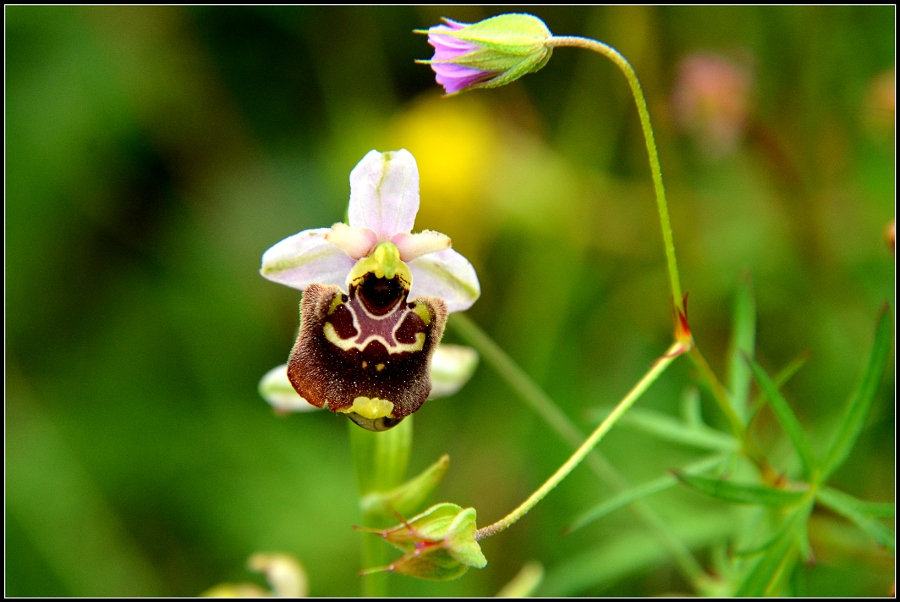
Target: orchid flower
pixel 376 298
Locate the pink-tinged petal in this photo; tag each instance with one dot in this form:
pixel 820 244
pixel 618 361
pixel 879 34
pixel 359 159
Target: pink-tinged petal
pixel 448 275
pixel 304 258
pixel 455 77
pixel 355 242
pixel 416 245
pixel 384 193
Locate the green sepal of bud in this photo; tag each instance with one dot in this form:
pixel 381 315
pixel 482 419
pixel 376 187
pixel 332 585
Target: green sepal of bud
pixel 510 45
pixel 408 497
pixel 439 543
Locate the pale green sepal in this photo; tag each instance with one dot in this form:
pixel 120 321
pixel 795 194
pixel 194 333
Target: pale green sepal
pixel 513 33
pixel 451 367
pixel 439 543
pixel 284 573
pixel 460 540
pixel 278 391
pixel 408 497
pixel 525 583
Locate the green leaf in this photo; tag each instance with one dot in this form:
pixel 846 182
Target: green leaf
pixel 740 493
pixel 786 417
pixel 784 375
pixel 667 428
pixel 408 497
pixel 764 573
pixel 690 407
pixel 854 418
pixel 641 491
pixel 743 342
pixel 858 512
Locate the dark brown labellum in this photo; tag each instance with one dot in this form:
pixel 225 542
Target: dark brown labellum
pixel 367 353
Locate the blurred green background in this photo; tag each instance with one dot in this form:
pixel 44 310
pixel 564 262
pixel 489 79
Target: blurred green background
pixel 154 153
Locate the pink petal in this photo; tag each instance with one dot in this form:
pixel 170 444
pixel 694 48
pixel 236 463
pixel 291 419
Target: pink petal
pixel 355 242
pixel 384 193
pixel 304 258
pixel 445 274
pixel 416 245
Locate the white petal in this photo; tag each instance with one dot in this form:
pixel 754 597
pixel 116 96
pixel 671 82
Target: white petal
pixel 304 258
pixel 448 275
pixel 384 193
pixel 355 242
pixel 451 367
pixel 276 389
pixel 416 245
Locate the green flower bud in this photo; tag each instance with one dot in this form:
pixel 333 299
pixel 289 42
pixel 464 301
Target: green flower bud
pixel 489 53
pixel 439 544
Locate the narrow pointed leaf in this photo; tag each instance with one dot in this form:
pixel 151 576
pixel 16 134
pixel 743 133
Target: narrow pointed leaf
pixel 743 342
pixel 786 417
pixel 690 408
pixel 780 379
pixel 858 410
pixel 740 493
pixel 857 512
pixel 641 491
pixel 409 497
pixel 667 428
pixel 760 579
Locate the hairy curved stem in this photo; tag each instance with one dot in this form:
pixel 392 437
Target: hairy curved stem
pixel 545 407
pixel 576 458
pixel 622 63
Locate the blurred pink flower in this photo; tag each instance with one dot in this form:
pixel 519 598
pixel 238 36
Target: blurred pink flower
pixel 710 100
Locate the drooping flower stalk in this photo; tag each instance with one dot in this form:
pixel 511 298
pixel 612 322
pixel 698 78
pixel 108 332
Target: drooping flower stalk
pixel 625 67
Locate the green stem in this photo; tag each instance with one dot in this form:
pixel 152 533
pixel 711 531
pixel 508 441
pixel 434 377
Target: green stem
pixel 381 461
pixel 545 407
pixel 564 470
pixel 639 100
pixel 737 426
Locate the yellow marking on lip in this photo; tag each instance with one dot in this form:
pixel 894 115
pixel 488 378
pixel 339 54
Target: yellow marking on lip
pixel 335 303
pixel 365 364
pixel 371 408
pixel 379 367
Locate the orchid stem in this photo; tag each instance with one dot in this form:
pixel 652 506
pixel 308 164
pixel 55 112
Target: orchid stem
pixel 639 100
pixel 381 461
pixel 658 368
